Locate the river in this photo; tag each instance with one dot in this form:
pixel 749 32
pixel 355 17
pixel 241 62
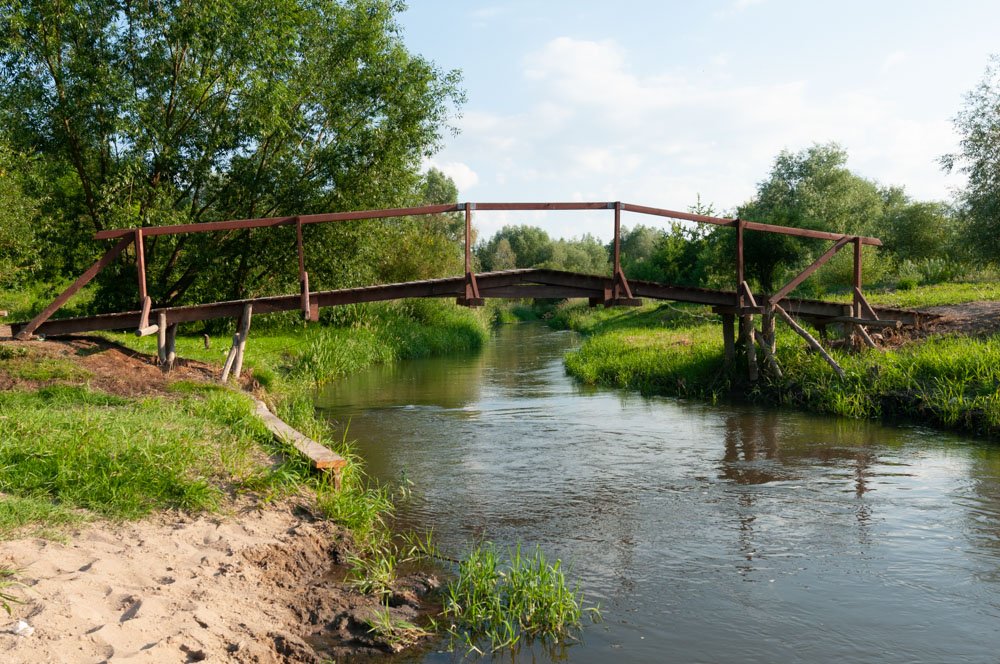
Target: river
pixel 707 533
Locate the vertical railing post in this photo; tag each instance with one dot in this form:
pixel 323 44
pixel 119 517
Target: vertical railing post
pixel 145 303
pixel 618 250
pixel 856 308
pixel 468 242
pixel 739 262
pixel 471 296
pixel 308 313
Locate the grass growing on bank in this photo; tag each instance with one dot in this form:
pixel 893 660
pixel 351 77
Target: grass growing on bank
pixel 947 381
pixel 68 453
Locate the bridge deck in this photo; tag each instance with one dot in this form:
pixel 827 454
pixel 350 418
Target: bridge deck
pixel 526 283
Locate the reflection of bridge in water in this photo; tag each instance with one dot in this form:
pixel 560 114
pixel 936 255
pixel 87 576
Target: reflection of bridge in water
pixel 472 289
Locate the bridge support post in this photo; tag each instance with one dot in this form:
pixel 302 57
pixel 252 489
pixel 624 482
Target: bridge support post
pixel 767 328
pixel 241 347
pixel 729 347
pixel 620 294
pixel 161 338
pixel 171 345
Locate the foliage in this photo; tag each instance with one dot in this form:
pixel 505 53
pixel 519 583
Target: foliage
pixel 170 113
pixel 8 581
pixel 20 257
pixel 810 189
pixel 515 247
pixel 978 123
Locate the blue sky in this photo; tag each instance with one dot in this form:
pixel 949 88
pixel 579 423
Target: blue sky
pixel 657 102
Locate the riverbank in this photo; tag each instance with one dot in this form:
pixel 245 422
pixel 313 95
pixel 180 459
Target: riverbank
pixel 946 375
pixel 184 505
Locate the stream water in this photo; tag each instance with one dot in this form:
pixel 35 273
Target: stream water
pixel 707 533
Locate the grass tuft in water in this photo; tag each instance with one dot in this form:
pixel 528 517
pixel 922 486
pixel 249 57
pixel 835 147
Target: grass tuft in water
pixel 397 634
pixel 499 601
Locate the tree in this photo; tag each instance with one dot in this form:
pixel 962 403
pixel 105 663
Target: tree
pixel 530 245
pixel 919 231
pixel 809 189
pixel 979 158
pixel 19 253
pixel 150 113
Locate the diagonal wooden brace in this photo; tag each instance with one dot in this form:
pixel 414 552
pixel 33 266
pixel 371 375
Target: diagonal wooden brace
pixel 81 281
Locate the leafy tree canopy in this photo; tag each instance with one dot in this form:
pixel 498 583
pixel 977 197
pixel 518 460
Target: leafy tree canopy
pixel 808 189
pixel 150 113
pixel 979 158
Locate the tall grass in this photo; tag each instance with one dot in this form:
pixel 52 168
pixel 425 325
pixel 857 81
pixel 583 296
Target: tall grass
pixel 947 381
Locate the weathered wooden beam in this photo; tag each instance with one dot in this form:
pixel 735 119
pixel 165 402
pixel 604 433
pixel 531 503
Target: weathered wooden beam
pixel 230 358
pixel 29 329
pixel 767 327
pixel 147 304
pixel 161 337
pixel 854 320
pixel 750 348
pixel 772 363
pixel 171 345
pixel 321 457
pixel 863 333
pixel 810 340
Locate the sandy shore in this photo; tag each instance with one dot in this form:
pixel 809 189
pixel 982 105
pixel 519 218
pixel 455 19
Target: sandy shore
pixel 258 586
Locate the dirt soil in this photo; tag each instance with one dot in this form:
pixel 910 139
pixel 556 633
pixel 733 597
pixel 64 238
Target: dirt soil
pixel 971 318
pixel 261 584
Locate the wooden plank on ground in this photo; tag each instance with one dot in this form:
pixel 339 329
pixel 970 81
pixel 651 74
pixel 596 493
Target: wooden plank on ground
pixel 322 457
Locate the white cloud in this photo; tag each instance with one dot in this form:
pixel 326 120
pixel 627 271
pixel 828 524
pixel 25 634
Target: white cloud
pixel 737 7
pixel 463 176
pixel 893 60
pixel 598 130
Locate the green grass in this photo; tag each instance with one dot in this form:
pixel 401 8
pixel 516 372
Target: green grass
pixel 69 448
pixel 947 381
pixel 501 599
pixel 932 295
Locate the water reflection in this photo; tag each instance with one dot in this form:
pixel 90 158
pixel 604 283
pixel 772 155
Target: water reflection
pixel 707 533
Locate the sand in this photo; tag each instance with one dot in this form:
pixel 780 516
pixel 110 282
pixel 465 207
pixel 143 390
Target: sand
pixel 257 586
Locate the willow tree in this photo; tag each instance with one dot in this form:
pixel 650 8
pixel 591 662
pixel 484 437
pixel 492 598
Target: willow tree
pixel 174 112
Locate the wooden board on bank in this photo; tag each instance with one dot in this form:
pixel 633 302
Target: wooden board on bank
pixel 322 458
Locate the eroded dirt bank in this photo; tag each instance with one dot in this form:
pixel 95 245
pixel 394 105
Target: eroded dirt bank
pixel 257 586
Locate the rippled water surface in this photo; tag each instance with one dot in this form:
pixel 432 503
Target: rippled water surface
pixel 707 533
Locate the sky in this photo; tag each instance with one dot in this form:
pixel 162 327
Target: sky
pixel 656 103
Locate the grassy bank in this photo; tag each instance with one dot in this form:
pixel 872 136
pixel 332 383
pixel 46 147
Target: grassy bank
pixel 70 452
pixel 77 453
pixel 946 381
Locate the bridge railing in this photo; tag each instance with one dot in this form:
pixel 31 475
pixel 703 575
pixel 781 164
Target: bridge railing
pixel 617 292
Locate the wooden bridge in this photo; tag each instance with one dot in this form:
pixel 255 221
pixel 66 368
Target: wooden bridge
pixel 472 289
